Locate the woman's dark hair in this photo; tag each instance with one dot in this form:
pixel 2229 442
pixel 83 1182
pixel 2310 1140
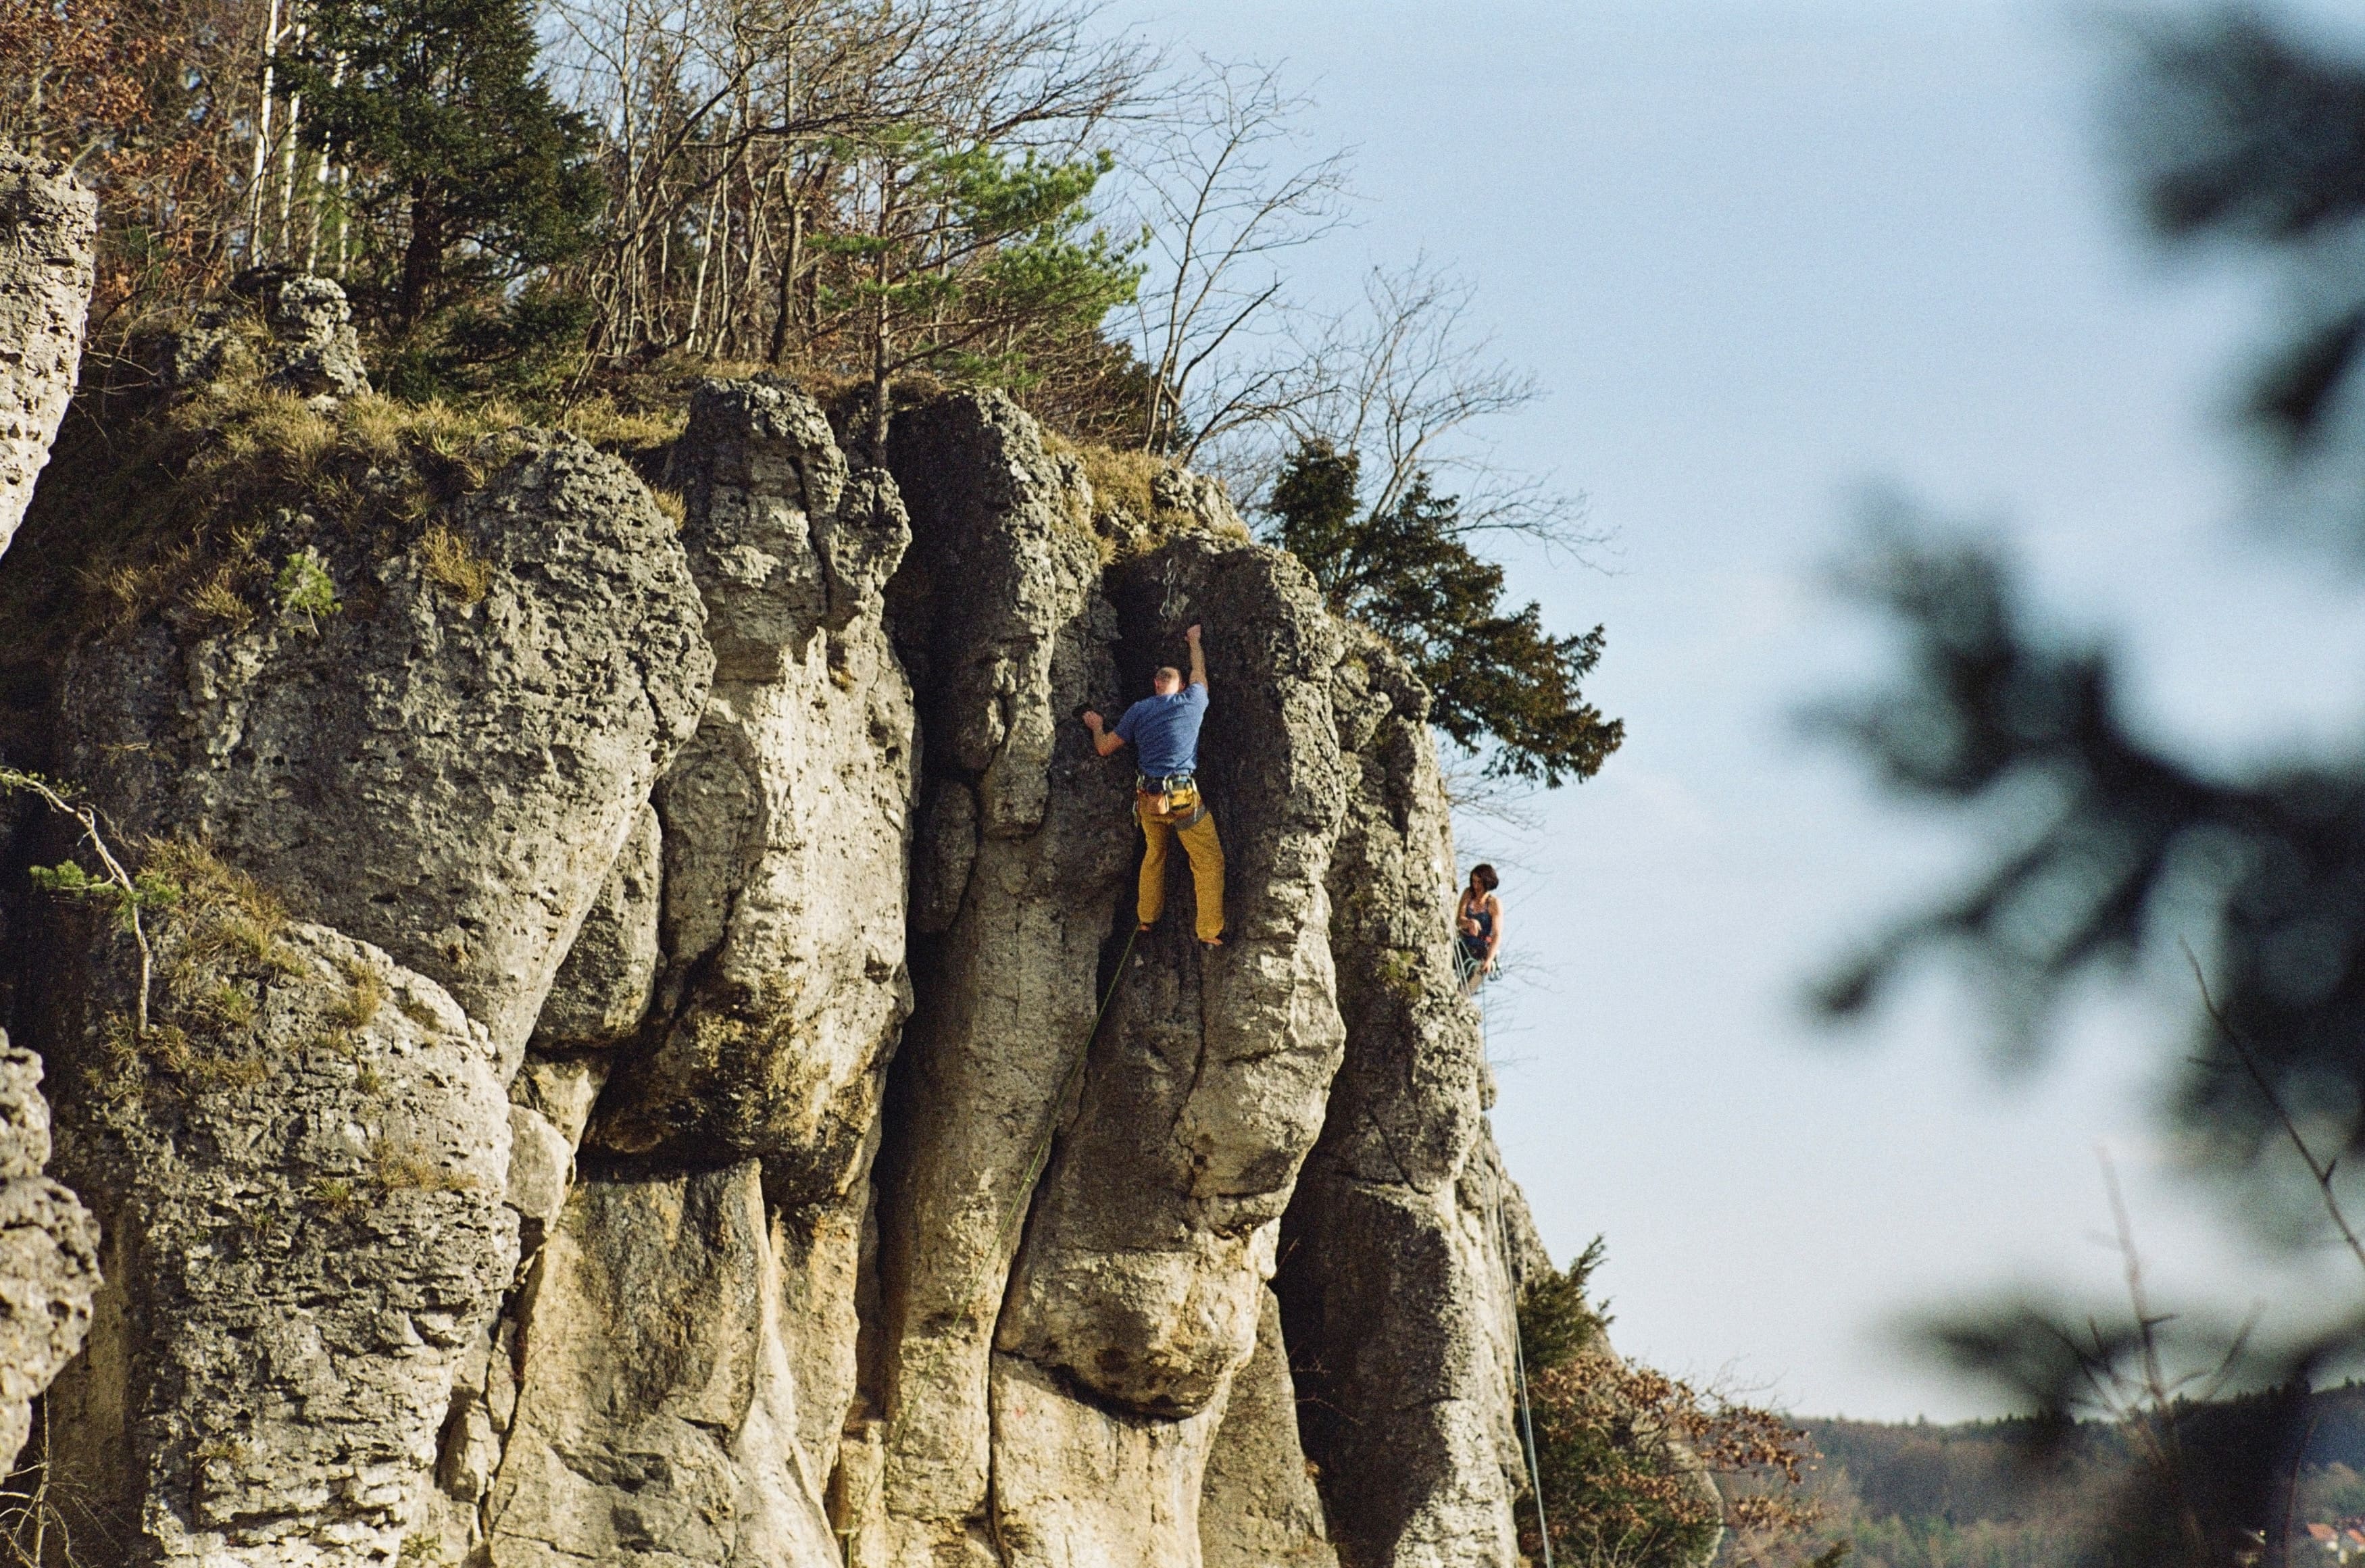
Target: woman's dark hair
pixel 1484 875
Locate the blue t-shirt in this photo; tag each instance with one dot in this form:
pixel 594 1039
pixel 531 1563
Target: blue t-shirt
pixel 1165 731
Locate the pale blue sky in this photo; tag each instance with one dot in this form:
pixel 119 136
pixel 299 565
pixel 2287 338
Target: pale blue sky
pixel 1763 256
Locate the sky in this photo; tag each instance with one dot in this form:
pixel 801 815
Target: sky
pixel 1766 258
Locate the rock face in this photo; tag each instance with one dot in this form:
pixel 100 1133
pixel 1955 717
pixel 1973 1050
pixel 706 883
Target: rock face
pixel 316 353
pixel 48 223
pixel 1396 1306
pixel 49 1243
pixel 1258 1507
pixel 704 1101
pixel 446 775
pixel 302 1200
pixel 998 621
pixel 49 1252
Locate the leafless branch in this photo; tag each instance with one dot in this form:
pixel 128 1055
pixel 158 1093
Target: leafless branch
pixel 1223 182
pixel 2321 1170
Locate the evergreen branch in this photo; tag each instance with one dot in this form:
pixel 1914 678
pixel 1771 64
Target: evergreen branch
pixel 130 893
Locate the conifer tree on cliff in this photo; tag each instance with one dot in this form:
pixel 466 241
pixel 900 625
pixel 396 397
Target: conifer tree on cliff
pixel 467 174
pixel 1403 568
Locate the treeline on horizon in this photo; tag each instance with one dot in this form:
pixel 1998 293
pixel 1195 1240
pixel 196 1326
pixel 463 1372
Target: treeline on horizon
pixel 2022 1492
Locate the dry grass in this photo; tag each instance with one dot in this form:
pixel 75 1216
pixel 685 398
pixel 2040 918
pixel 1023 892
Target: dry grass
pixel 451 564
pixel 364 994
pixel 601 421
pixel 1127 517
pixel 218 946
pixel 400 1169
pixel 185 507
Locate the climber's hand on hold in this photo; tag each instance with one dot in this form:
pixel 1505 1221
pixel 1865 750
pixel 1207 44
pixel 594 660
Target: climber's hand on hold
pixel 1190 633
pixel 1104 741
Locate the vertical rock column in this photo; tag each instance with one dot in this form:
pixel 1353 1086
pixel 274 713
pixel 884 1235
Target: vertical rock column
pixel 47 225
pixel 1023 846
pixel 1139 1293
pixel 1396 1307
pixel 49 1265
pixel 49 1253
pixel 388 823
pixel 684 1351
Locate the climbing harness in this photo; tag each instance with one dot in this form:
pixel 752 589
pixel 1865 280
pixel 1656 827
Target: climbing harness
pixel 1167 796
pixel 1042 1155
pixel 1518 1350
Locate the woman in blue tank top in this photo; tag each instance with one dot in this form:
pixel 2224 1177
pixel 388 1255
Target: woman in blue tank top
pixel 1478 923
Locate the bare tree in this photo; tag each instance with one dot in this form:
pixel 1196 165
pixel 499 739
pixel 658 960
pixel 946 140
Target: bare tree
pixel 1401 382
pixel 1224 186
pixel 743 134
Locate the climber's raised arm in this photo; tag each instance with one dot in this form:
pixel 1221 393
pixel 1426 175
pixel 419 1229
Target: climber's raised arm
pixel 1198 659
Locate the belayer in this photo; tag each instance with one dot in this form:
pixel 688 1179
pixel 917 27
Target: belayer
pixel 1478 927
pixel 1164 730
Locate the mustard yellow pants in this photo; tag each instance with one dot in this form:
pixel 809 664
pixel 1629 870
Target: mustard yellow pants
pixel 1206 853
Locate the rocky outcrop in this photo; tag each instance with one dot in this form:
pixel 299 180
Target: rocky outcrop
pixel 315 352
pixel 49 1252
pixel 310 1174
pixel 448 766
pixel 688 1334
pixel 1396 1306
pixel 705 1120
pixel 669 1433
pixel 48 225
pixel 48 1244
pixel 998 619
pixel 1258 1507
pixel 301 1195
pixel 1155 1225
pixel 786 819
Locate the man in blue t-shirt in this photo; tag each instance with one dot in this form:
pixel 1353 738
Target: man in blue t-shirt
pixel 1164 732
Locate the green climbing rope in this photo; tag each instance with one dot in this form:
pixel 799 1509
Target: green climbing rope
pixel 1042 1155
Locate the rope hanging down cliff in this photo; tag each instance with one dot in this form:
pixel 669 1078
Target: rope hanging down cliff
pixel 1518 1349
pixel 1042 1155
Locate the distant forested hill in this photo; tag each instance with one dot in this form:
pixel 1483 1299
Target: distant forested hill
pixel 1972 1496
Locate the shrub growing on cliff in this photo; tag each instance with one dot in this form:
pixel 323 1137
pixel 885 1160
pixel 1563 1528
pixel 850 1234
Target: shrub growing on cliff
pixel 1639 1469
pixel 1404 569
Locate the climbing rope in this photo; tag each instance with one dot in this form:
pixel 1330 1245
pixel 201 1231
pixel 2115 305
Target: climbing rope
pixel 1042 1155
pixel 1518 1350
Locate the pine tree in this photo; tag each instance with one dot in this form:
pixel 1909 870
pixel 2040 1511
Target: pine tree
pixel 1407 572
pixel 468 172
pixel 965 257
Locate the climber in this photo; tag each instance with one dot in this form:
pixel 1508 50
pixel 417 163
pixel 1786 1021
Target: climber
pixel 1164 728
pixel 1478 925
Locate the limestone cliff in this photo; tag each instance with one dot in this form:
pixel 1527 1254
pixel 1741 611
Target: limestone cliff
pixel 628 1079
pixel 48 222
